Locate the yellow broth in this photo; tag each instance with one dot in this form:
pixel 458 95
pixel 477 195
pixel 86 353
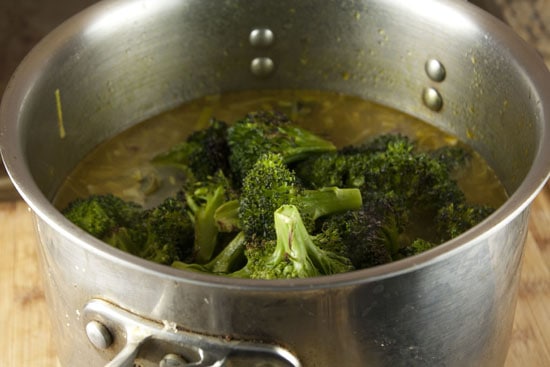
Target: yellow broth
pixel 121 165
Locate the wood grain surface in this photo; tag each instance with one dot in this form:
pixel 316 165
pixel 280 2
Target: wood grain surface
pixel 26 339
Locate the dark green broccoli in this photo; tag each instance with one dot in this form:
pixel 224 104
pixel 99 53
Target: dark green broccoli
pixel 180 228
pixel 388 165
pixel 99 214
pixel 228 260
pixel 456 218
pixel 348 166
pixel 161 234
pixel 369 236
pixel 414 176
pixel 164 234
pixel 416 247
pixel 381 143
pixel 453 157
pixel 323 170
pixel 266 199
pixel 170 232
pixel 202 154
pixel 270 184
pixel 131 240
pixel 292 254
pixel 427 187
pixel 270 132
pixel 418 186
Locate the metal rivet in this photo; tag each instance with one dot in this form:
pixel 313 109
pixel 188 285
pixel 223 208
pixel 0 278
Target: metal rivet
pixel 99 335
pixel 172 360
pixel 435 70
pixel 262 66
pixel 432 99
pixel 261 37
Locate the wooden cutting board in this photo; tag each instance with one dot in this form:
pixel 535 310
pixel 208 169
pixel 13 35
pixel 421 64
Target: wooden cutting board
pixel 25 338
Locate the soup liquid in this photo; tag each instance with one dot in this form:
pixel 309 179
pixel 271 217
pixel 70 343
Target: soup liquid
pixel 121 165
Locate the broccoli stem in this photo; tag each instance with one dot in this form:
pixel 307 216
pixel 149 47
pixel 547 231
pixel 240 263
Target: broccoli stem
pixel 315 203
pixel 206 230
pixel 230 257
pixel 330 200
pixel 304 144
pixel 227 216
pixel 293 242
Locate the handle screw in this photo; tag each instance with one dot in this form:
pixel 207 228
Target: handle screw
pixel 172 360
pixel 99 335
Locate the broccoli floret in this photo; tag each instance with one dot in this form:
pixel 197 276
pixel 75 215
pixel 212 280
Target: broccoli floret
pixel 394 216
pixel 369 236
pixel 456 218
pixel 170 232
pixel 414 176
pixel 381 143
pixel 270 184
pixel 180 228
pixel 227 216
pixel 323 170
pixel 229 259
pixel 265 132
pixel 348 166
pixel 293 254
pixel 202 154
pixel 363 246
pixel 453 157
pixel 418 246
pixel 127 239
pixel 161 234
pixel 387 164
pixel 101 214
pixel 417 186
pixel 424 182
pixel 203 199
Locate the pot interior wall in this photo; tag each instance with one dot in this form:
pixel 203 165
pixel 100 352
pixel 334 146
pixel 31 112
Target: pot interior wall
pixel 141 58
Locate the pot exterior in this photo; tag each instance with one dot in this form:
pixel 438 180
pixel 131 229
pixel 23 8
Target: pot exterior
pixel 457 311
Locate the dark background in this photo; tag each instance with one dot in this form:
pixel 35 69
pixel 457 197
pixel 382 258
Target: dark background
pixel 22 24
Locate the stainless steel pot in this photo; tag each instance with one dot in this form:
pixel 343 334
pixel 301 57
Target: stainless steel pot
pixel 120 62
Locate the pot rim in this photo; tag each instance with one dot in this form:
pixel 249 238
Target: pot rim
pixel 11 148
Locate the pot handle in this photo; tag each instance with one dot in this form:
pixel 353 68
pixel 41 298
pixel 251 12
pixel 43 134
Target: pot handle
pixel 126 338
